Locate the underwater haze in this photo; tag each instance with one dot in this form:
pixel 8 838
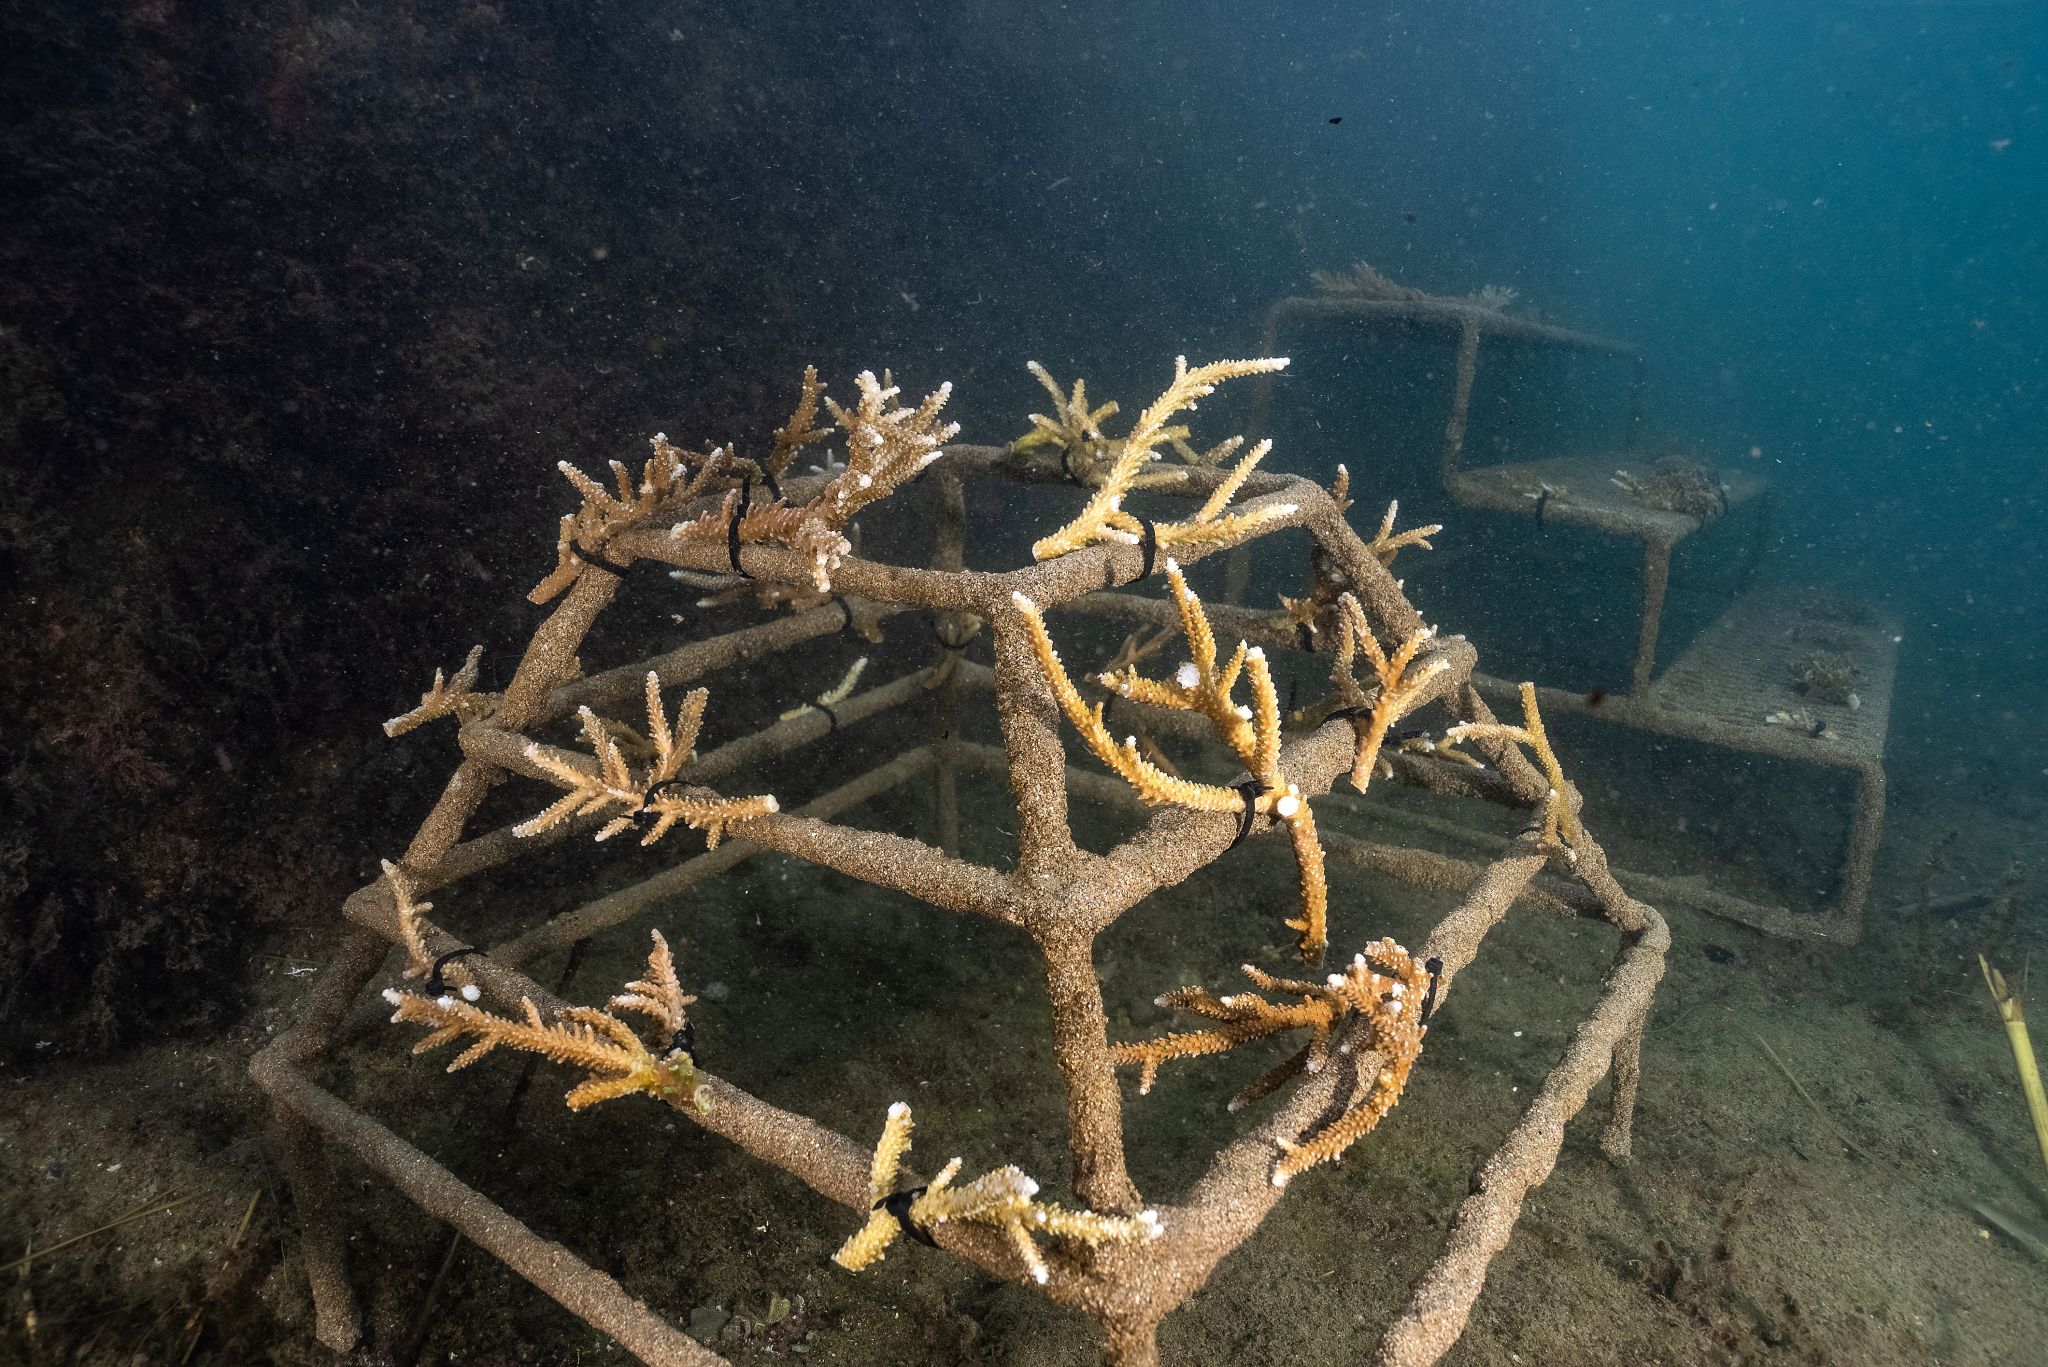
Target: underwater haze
pixel 305 307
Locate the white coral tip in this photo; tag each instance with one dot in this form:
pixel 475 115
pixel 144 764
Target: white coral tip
pixel 1023 603
pixel 470 992
pixel 1039 1274
pixel 898 1109
pixel 393 995
pixel 1287 806
pixel 1172 565
pixel 1279 1178
pixel 770 803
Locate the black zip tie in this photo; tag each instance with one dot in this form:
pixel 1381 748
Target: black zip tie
pixel 768 478
pixel 1347 713
pixel 1542 499
pixel 1066 469
pixel 1149 544
pixel 1250 790
pixel 846 608
pixel 600 560
pixel 435 986
pixel 830 716
pixel 898 1204
pixel 684 1040
pixel 950 647
pixel 1435 967
pixel 732 528
pixel 648 798
pixel 1305 637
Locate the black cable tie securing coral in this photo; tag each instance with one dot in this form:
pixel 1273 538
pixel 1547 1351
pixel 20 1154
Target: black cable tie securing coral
pixel 1436 968
pixel 1305 637
pixel 774 489
pixel 436 986
pixel 1347 713
pixel 1067 469
pixel 950 647
pixel 684 1040
pixel 648 798
pixel 831 717
pixel 732 528
pixel 1251 790
pixel 599 559
pixel 898 1204
pixel 1149 544
pixel 847 608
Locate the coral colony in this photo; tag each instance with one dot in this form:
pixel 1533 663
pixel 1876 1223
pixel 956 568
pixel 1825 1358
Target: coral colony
pixel 748 529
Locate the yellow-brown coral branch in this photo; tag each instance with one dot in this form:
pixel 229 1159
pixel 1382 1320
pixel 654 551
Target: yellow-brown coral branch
pixel 1003 1199
pixel 1384 987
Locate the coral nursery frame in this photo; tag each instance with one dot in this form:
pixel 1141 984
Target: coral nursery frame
pixel 1058 894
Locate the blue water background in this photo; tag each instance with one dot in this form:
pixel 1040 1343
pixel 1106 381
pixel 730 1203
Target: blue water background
pixel 1823 224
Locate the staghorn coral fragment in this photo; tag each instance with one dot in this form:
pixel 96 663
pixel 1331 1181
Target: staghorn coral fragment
pixel 1561 830
pixel 1122 464
pixel 1004 1199
pixel 601 1044
pixel 454 697
pixel 655 792
pixel 887 445
pixel 1252 733
pixel 1402 685
pixel 1384 987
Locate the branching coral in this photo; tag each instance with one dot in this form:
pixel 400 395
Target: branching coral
pixel 655 792
pixel 1087 454
pixel 1004 1199
pixel 1364 282
pixel 1402 684
pixel 1311 614
pixel 1252 733
pixel 1561 829
pixel 598 1042
pixel 1104 519
pixel 887 445
pixel 1384 987
pixel 447 697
